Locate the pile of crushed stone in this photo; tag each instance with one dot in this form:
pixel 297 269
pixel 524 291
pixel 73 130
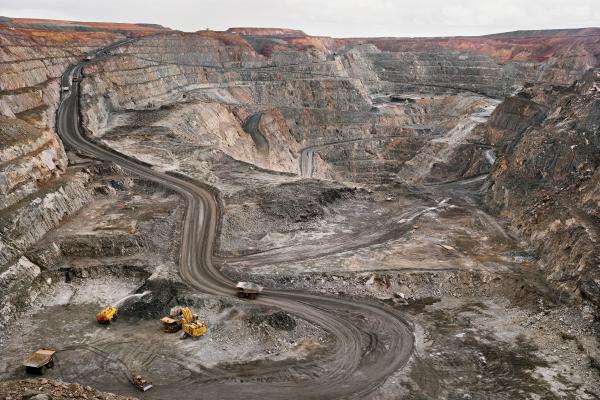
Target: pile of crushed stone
pixel 49 389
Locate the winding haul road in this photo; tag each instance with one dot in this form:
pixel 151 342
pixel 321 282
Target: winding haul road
pixel 371 341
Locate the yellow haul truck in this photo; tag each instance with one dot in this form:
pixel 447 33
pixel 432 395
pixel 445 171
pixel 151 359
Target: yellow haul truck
pixel 106 315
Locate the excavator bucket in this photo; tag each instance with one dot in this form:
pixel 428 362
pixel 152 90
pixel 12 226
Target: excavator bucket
pixel 171 325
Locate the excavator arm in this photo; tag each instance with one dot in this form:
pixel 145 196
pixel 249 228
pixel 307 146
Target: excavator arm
pixel 187 315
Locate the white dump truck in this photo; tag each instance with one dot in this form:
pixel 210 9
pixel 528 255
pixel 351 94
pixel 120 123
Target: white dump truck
pixel 248 290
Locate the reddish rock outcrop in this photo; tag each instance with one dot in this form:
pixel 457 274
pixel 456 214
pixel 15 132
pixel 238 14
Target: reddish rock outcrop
pixel 54 24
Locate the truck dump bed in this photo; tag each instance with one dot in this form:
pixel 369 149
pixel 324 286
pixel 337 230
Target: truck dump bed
pixel 39 358
pixel 171 325
pixel 249 287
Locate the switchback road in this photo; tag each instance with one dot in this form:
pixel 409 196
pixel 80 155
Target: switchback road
pixel 363 354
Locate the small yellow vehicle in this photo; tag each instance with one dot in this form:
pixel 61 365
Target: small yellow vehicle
pixel 141 383
pixel 38 362
pixel 106 315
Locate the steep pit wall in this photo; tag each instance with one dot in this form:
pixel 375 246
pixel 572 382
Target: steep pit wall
pixel 286 78
pixel 346 100
pixel 36 193
pixel 37 190
pixel 32 160
pixel 448 72
pixel 547 177
pixel 221 83
pixel 398 139
pixel 34 60
pixel 560 56
pixel 23 224
pixel 297 98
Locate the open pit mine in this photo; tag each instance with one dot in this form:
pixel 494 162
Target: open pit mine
pixel 264 214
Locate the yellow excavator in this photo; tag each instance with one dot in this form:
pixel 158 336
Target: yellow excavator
pixel 182 317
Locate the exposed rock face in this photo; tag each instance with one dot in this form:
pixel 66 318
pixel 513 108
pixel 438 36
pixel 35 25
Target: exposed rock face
pixel 547 179
pixel 17 291
pixel 37 191
pixel 558 56
pixel 27 221
pixel 34 61
pixel 225 82
pixel 448 71
pixel 315 98
pixel 255 113
pixel 29 155
pixel 32 157
pixel 359 110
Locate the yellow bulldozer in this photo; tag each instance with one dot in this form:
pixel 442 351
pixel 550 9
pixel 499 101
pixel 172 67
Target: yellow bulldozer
pixel 182 317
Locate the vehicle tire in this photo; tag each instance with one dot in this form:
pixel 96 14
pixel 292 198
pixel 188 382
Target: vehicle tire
pixel 50 364
pixel 43 369
pixel 252 296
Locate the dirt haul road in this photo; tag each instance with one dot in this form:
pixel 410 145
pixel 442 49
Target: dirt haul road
pixel 355 365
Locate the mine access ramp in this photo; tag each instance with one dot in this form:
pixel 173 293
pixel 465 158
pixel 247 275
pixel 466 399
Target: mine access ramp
pixel 248 290
pixel 38 362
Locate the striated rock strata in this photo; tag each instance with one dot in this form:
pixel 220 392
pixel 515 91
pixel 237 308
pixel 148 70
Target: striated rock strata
pixel 547 180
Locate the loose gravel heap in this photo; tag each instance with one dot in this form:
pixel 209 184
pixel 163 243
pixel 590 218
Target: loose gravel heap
pixel 48 389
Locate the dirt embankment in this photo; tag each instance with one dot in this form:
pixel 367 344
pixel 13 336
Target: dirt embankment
pixel 50 389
